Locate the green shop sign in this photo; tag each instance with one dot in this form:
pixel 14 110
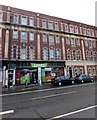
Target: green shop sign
pixel 38 65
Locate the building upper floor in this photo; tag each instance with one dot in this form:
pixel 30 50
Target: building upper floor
pixel 28 19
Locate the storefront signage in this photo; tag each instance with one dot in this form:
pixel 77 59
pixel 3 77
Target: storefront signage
pixel 38 65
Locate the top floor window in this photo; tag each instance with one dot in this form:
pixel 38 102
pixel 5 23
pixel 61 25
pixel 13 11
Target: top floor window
pixel 15 19
pixel 31 22
pixel 50 25
pixel 66 28
pixel 80 30
pixel 88 32
pixel 76 29
pixel 24 21
pixel 71 29
pixel 43 24
pixel 0 16
pixel 56 26
pixel 92 33
pixel 84 31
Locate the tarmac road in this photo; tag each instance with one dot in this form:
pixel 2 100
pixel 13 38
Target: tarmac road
pixel 74 101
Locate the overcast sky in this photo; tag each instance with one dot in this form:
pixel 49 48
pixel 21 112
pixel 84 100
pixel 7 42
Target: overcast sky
pixel 76 10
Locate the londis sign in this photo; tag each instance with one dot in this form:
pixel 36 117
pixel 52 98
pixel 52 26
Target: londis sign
pixel 34 65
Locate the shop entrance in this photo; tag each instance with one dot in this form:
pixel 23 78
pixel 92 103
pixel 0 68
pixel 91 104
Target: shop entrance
pixel 34 76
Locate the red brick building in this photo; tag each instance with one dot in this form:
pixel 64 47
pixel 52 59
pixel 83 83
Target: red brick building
pixel 30 40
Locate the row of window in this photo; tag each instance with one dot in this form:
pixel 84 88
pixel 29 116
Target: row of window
pixel 54 26
pixel 23 54
pixel 73 41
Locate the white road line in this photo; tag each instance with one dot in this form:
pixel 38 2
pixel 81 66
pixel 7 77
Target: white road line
pixel 71 113
pixel 7 112
pixel 46 89
pixel 53 95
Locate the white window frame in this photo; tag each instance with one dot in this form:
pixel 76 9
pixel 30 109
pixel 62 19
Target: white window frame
pixel 44 24
pixel 15 34
pixel 31 36
pixel 51 52
pixel 44 53
pixel 56 26
pixel 71 29
pixel 31 52
pixel 16 20
pixel 22 36
pixel 44 37
pixel 23 20
pixel 23 52
pixel 30 22
pixel 76 29
pixel 57 39
pixel 50 25
pixel 58 53
pixel 66 28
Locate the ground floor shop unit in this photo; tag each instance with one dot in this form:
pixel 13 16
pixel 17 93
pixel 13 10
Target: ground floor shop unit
pixel 38 72
pixel 32 72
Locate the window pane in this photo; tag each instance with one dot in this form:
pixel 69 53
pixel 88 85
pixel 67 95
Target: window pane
pixel 51 39
pixel 50 25
pixel 16 19
pixel 31 53
pixel 31 36
pixel 44 38
pixel 44 24
pixel 31 22
pixel 14 52
pixel 0 16
pixel 51 54
pixel 45 54
pixel 23 35
pixel 23 53
pixel 24 21
pixel 15 34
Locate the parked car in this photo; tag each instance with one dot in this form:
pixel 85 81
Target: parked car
pixel 81 78
pixel 62 80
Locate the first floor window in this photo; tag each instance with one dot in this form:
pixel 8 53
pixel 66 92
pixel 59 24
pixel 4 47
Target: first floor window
pixel 14 52
pixel 58 54
pixel 31 36
pixel 79 55
pixel 15 34
pixel 57 39
pixel 51 54
pixel 74 54
pixel 23 52
pixel 44 38
pixel 68 54
pixel 31 53
pixel 45 54
pixel 23 35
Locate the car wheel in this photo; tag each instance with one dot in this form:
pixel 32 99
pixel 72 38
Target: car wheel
pixel 60 84
pixel 82 81
pixel 72 82
pixel 91 80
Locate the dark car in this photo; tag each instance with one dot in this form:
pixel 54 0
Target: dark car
pixel 81 78
pixel 62 80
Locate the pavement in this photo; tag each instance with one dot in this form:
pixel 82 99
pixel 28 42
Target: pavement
pixel 21 88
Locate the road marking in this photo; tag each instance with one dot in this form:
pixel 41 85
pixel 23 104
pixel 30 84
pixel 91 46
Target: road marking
pixel 74 112
pixel 7 112
pixel 53 95
pixel 46 89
